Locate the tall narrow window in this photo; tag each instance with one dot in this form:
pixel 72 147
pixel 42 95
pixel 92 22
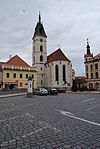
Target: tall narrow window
pixel 96 75
pixel 96 66
pixel 64 73
pixel 91 75
pixel 56 73
pixel 7 75
pixel 41 48
pixel 41 58
pixel 20 75
pixel 14 75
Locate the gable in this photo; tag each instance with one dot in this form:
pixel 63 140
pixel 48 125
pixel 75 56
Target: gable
pixel 16 60
pixel 57 55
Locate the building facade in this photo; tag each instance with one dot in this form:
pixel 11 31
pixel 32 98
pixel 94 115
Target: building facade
pixel 54 70
pixel 14 74
pixel 92 69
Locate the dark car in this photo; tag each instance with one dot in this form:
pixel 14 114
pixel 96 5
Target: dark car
pixel 52 91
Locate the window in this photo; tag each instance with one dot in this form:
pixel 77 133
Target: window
pixel 20 84
pixel 41 68
pixel 26 76
pixel 32 76
pixel 7 75
pixel 56 73
pixel 96 75
pixel 42 75
pixel 14 75
pixel 91 75
pixel 91 67
pixel 96 66
pixel 86 67
pixel 41 48
pixel 87 75
pixel 41 58
pixel 64 73
pixel 41 39
pixel 20 75
pixel 41 82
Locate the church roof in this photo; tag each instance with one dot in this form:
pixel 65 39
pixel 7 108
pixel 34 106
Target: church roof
pixel 16 60
pixel 57 55
pixel 39 29
pixel 97 57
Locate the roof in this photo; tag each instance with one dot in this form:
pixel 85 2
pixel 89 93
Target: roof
pixel 57 55
pixel 16 60
pixel 97 57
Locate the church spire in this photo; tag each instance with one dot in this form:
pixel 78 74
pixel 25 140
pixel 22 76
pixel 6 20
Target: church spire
pixel 39 17
pixel 88 48
pixel 39 29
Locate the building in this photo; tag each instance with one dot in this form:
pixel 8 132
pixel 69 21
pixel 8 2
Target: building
pixel 15 72
pixel 92 69
pixel 54 70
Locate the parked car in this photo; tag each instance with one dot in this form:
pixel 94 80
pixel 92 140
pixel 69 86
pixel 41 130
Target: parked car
pixel 52 91
pixel 42 91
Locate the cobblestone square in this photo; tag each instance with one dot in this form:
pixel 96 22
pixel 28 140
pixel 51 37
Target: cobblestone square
pixel 65 121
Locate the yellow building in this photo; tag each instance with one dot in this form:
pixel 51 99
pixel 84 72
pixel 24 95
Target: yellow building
pixel 15 73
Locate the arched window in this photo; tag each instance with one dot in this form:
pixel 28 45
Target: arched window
pixel 64 73
pixel 41 58
pixel 56 73
pixel 41 48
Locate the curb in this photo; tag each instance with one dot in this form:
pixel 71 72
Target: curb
pixel 12 95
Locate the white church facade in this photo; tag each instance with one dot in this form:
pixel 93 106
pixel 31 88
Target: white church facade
pixel 54 70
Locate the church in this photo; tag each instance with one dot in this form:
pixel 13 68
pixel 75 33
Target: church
pixel 54 70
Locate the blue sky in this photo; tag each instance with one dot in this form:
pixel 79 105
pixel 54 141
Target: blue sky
pixel 68 23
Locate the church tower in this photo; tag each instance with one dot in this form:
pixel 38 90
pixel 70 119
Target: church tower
pixel 88 56
pixel 39 51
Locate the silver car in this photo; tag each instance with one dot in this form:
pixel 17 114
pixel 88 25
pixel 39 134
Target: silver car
pixel 42 91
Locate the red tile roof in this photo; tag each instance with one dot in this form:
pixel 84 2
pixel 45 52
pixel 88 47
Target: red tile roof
pixel 97 57
pixel 16 60
pixel 57 55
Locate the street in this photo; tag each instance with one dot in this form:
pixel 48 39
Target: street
pixel 65 121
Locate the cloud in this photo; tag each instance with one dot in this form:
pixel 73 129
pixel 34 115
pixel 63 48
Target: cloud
pixel 67 23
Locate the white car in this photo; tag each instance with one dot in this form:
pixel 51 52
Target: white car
pixel 42 91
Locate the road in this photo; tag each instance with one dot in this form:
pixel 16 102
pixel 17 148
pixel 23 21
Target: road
pixel 65 121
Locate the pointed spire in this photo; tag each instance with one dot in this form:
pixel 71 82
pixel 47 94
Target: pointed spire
pixel 88 48
pixel 39 17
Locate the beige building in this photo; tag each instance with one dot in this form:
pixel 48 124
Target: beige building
pixel 15 72
pixel 92 69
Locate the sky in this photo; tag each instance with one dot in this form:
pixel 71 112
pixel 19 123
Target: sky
pixel 67 23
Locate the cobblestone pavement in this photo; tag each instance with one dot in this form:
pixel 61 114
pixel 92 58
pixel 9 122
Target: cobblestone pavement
pixel 66 121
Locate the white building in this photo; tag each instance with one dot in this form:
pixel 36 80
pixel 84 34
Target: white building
pixel 54 70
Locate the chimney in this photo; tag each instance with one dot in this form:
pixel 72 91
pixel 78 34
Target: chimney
pixel 10 56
